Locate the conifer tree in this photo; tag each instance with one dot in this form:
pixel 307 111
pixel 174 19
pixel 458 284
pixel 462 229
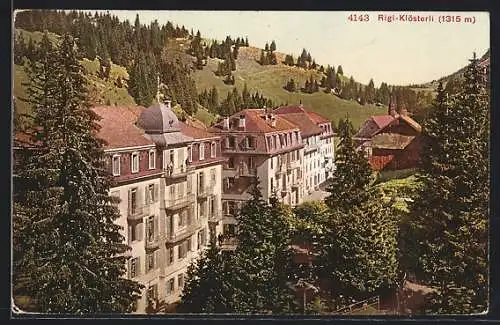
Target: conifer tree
pixel 68 248
pixel 451 212
pixel 340 71
pixel 210 283
pixel 352 177
pixel 263 237
pixel 272 47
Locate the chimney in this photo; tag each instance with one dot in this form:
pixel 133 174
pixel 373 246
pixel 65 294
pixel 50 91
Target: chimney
pixel 241 122
pixel 273 121
pixel 225 123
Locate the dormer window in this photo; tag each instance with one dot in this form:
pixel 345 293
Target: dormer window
pixel 202 151
pixel 152 159
pixel 232 141
pixel 135 162
pixel 213 150
pixel 116 165
pixel 190 153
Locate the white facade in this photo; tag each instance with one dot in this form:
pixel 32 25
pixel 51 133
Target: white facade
pixel 313 163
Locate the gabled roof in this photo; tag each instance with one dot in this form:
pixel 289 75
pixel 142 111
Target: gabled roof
pixel 318 118
pixel 382 120
pixel 255 121
pixel 118 127
pixel 306 125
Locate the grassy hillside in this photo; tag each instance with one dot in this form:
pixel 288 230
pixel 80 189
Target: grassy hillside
pixel 270 80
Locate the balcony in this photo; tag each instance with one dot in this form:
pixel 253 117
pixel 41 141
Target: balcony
pixel 205 191
pixel 173 204
pixel 249 172
pixel 311 147
pixel 180 234
pixel 178 172
pixel 137 212
pixel 229 243
pixel 215 216
pixel 153 242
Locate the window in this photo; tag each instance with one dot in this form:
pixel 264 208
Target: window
pixel 232 141
pixel 134 267
pixel 269 143
pixel 202 151
pixel 275 141
pixel 188 245
pixel 169 287
pixel 212 176
pixel 251 142
pixel 135 162
pixel 133 200
pixel 180 281
pixel 272 184
pixel 272 162
pixel 213 150
pixel 201 182
pixel 170 255
pixel 182 250
pixel 230 162
pixel 116 165
pixel 150 194
pixel 182 219
pixel 190 153
pixel 153 292
pixel 171 158
pixel 135 232
pixel 152 159
pixel 150 261
pixel 150 229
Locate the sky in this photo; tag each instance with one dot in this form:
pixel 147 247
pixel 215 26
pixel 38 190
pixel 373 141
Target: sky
pixel 398 52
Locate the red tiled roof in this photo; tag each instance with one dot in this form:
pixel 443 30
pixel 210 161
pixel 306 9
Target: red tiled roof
pixel 255 122
pixel 195 132
pixel 22 139
pixel 318 118
pixel 118 127
pixel 306 125
pixel 382 120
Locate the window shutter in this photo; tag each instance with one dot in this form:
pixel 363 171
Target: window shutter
pixel 156 189
pixel 129 200
pixel 130 231
pixel 156 255
pixel 156 230
pixel 139 228
pixel 139 195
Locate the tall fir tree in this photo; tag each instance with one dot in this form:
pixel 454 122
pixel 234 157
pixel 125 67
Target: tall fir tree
pixel 353 175
pixel 210 285
pixel 451 212
pixel 68 247
pixel 263 237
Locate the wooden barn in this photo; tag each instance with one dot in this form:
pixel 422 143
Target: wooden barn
pixel 390 142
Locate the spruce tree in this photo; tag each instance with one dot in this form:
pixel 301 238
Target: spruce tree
pixel 349 184
pixel 69 250
pixel 340 71
pixel 451 212
pixel 272 47
pixel 263 237
pixel 209 286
